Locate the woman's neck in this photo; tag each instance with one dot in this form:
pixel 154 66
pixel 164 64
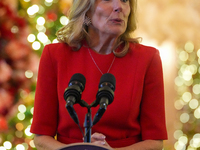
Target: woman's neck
pixel 102 44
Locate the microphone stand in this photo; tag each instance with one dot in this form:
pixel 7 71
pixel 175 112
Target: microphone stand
pixel 88 126
pixel 88 123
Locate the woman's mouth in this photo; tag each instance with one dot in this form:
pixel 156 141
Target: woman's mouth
pixel 117 20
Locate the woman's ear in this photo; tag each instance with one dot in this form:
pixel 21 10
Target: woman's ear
pixel 89 13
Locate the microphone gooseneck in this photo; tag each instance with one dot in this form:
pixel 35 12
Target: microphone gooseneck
pixel 72 94
pixel 105 95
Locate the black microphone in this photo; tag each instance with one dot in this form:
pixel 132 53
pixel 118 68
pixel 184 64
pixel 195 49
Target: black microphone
pixel 72 94
pixel 105 95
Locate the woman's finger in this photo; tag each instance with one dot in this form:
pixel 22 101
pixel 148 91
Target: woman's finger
pixel 98 136
pixel 100 142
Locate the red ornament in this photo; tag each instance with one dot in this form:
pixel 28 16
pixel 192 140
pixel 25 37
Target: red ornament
pixel 3 124
pixel 51 16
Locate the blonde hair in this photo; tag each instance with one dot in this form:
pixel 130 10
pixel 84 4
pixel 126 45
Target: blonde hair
pixel 75 31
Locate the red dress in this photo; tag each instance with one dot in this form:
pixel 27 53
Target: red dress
pixel 137 112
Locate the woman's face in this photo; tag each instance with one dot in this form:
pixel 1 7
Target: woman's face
pixel 110 16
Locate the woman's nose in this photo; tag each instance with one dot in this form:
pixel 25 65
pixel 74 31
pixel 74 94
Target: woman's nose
pixel 117 5
pixel 119 9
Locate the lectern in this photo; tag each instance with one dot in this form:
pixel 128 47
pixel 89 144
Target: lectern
pixel 84 146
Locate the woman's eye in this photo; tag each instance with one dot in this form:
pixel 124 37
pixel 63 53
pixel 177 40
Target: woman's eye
pixel 124 1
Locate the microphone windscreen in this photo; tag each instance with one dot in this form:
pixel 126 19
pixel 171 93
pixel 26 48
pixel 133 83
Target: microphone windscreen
pixel 108 77
pixel 78 77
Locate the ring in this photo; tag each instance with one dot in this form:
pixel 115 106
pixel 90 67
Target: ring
pixel 103 143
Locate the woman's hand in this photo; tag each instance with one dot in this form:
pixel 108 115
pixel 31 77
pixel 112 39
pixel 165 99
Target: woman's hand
pixel 45 142
pixel 100 139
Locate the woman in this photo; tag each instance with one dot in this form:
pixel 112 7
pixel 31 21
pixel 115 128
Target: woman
pixel 96 41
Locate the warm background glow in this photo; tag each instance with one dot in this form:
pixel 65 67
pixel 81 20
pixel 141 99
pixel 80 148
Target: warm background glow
pixel 173 27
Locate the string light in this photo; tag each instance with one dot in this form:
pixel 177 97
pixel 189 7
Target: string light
pixel 7 145
pixel 19 126
pixel 14 29
pixel 49 1
pixel 41 21
pixel 179 81
pixel 31 110
pixel 196 141
pixel 48 4
pixel 20 147
pixel 21 116
pixel 186 96
pixel 64 20
pixel 2 148
pixel 36 45
pixel 183 56
pixel 196 89
pixel 42 37
pixel 179 104
pixel 40 28
pixel 27 131
pixel 31 38
pixel 55 41
pixel 178 134
pixel 183 139
pixel 194 103
pixel 29 74
pixel 31 143
pixel 41 9
pixel 198 53
pixel 19 134
pixel 197 113
pixel 22 108
pixel 32 10
pixel 189 47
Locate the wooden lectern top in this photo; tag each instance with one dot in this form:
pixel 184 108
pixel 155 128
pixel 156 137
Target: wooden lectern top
pixel 84 146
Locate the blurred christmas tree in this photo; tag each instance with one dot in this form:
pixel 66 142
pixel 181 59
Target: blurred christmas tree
pixel 188 91
pixel 23 34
